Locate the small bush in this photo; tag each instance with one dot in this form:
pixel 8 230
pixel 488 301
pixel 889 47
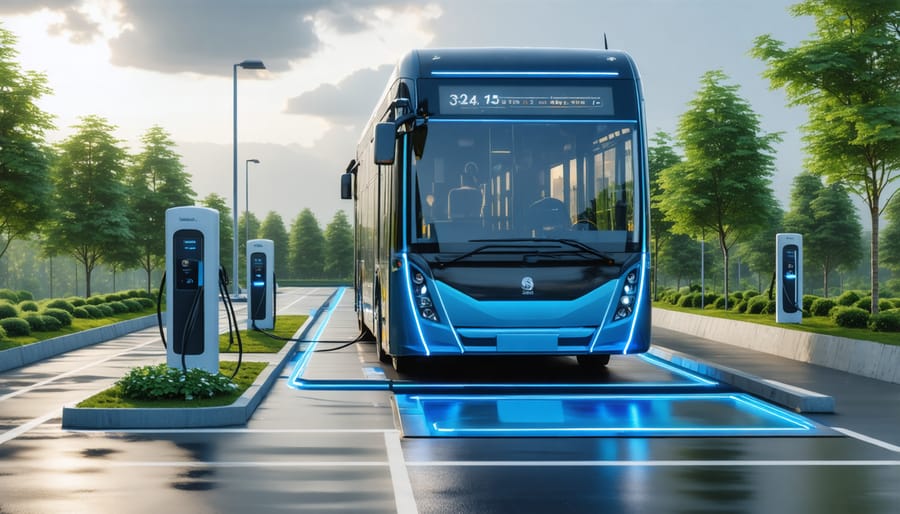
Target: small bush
pixel 146 303
pixel 2 332
pixel 51 324
pixel 686 300
pixel 756 304
pixel 63 316
pixel 161 381
pixel 132 305
pixel 93 311
pixel 24 296
pixel 850 317
pixel 808 300
pixel 885 321
pixel 675 298
pixel 77 301
pixel 60 304
pixel 740 307
pixel 118 307
pixel 848 298
pixel 771 307
pixel 750 293
pixel 114 297
pixel 35 321
pixel 105 310
pixel 822 307
pixel 10 295
pixel 15 327
pixel 95 300
pixel 81 313
pixel 719 303
pixel 8 310
pixel 28 306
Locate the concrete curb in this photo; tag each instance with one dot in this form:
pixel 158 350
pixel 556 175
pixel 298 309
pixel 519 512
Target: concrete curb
pixel 238 413
pixel 31 353
pixel 794 398
pixel 865 358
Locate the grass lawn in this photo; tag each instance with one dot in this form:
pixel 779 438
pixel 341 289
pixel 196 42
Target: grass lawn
pixel 112 398
pixel 814 324
pixel 78 325
pixel 255 341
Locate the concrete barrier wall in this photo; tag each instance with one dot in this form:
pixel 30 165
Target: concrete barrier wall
pixel 874 360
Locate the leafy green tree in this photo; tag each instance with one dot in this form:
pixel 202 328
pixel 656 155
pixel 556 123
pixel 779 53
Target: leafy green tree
pixel 722 186
pixel 660 155
pixel 243 231
pixel 890 237
pixel 273 228
pixel 91 219
pixel 679 259
pixel 339 247
pixel 25 184
pixel 226 242
pixel 848 77
pixel 307 246
pixel 758 251
pixel 156 181
pixel 832 234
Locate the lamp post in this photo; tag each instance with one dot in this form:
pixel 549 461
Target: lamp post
pixel 247 196
pixel 249 64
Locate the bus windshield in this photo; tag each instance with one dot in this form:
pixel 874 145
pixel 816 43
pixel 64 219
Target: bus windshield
pixel 495 180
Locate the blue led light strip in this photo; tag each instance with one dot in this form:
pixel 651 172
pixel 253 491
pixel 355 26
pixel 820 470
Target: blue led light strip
pixel 519 74
pixel 300 367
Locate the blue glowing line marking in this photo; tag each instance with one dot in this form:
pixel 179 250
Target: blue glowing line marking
pixel 437 292
pixel 656 361
pixel 530 120
pixel 474 73
pixel 305 357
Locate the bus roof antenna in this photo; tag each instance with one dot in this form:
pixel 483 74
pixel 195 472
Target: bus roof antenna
pixel 605 44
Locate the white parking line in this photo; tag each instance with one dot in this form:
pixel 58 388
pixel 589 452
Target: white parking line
pixel 25 427
pixel 652 463
pixel 403 493
pixel 871 440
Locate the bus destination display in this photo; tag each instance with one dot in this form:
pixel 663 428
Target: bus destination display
pixel 526 100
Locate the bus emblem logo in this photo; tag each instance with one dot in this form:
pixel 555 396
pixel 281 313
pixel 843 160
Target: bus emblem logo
pixel 527 286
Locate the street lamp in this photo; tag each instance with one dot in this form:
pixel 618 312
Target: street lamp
pixel 247 196
pixel 249 64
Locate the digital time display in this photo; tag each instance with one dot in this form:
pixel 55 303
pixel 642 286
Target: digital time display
pixel 526 100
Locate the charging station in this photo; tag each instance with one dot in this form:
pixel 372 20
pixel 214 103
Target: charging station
pixel 789 282
pixel 260 284
pixel 192 292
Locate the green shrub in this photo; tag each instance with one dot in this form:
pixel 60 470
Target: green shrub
pixel 118 307
pixel 822 307
pixel 719 303
pixel 96 300
pixel 738 295
pixel 2 332
pixel 63 316
pixel 77 301
pixel 51 323
pixel 675 298
pixel 771 307
pixel 750 293
pixel 35 321
pixel 93 311
pixel 10 295
pixel 132 305
pixel 28 306
pixel 15 327
pixel 808 300
pixel 146 303
pixel 8 310
pixel 848 298
pixel 850 317
pixel 161 381
pixel 686 300
pixel 59 303
pixel 105 310
pixel 756 304
pixel 740 307
pixel 885 321
pixel 81 313
pixel 114 297
pixel 24 296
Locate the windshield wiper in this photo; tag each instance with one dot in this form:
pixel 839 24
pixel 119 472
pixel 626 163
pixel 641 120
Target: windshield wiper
pixel 579 246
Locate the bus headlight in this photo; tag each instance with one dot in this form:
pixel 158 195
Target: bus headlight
pixel 421 296
pixel 627 296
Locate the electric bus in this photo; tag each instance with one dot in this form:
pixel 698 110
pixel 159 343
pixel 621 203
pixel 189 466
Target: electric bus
pixel 500 200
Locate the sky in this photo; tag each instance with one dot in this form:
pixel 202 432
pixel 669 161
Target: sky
pixel 141 63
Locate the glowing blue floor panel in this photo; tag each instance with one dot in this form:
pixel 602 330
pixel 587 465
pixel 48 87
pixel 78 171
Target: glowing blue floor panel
pixel 610 415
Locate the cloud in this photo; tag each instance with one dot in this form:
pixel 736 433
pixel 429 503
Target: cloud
pixel 14 7
pixel 346 103
pixel 80 28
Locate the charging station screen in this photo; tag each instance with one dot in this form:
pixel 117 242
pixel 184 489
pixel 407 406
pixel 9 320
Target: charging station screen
pixel 258 285
pixel 789 272
pixel 188 259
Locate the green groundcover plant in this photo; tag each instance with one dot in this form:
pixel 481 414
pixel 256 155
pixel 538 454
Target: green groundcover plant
pixel 162 382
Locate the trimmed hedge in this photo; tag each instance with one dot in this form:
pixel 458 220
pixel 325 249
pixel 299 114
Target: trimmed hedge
pixel 885 321
pixel 850 317
pixel 8 310
pixel 51 324
pixel 28 306
pixel 63 316
pixel 9 294
pixel 848 298
pixel 15 327
pixel 60 304
pixel 822 306
pixel 93 311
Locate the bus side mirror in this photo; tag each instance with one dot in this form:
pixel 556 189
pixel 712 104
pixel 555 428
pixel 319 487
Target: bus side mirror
pixel 346 186
pixel 385 140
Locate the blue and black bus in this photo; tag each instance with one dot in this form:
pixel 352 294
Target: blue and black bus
pixel 501 207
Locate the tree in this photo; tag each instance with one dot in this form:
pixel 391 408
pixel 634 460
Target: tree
pixel 723 185
pixel 245 233
pixel 758 251
pixel 307 246
pixel 679 259
pixel 890 237
pixel 339 247
pixel 91 222
pixel 660 156
pixel 226 242
pixel 825 216
pixel 273 228
pixel 25 184
pixel 849 79
pixel 156 181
